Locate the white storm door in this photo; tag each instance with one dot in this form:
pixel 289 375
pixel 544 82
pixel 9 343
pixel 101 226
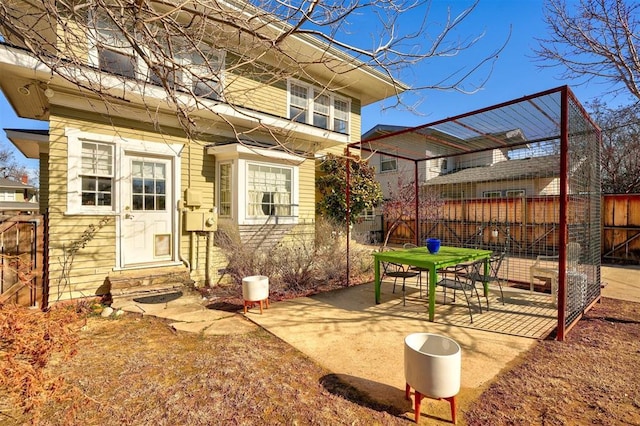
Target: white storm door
pixel 146 215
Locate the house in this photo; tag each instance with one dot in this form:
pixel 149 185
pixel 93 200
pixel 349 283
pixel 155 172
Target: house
pixel 17 197
pixel 139 176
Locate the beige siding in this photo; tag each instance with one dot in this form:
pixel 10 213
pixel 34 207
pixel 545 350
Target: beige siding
pixel 257 95
pixel 306 210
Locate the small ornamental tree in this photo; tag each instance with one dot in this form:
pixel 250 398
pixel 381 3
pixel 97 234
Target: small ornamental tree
pixel 401 205
pixel 364 189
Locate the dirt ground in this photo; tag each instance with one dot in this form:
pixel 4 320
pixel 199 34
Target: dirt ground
pixel 137 371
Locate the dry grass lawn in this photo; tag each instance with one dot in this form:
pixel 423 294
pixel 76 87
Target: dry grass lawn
pixel 139 371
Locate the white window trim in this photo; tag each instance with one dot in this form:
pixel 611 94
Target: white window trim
pixel 75 137
pixel 310 104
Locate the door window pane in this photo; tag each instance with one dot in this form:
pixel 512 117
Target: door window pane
pixel 148 186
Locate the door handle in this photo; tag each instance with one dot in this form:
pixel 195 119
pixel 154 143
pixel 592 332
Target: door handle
pixel 128 216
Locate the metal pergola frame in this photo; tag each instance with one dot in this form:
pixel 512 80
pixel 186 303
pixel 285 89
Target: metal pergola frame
pixel 544 116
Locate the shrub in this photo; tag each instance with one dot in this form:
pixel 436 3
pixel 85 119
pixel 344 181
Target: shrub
pixel 300 264
pixel 29 341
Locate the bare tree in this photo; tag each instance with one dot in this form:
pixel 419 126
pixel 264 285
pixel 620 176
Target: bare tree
pixel 182 46
pixel 9 167
pixel 620 162
pixel 401 205
pixel 598 39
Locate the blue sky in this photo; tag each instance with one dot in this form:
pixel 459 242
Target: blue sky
pixel 515 72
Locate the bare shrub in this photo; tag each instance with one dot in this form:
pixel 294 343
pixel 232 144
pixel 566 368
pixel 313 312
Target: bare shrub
pixel 243 260
pixel 29 341
pixel 301 263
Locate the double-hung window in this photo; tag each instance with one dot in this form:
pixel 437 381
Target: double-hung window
pixel 320 108
pixel 96 174
pixel 268 190
pixel 388 164
pixel 298 103
pixel 206 73
pixel 114 53
pixel 224 189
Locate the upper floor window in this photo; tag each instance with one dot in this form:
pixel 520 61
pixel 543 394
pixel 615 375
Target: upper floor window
pixel 7 195
pixel 193 69
pixel 388 164
pixel 317 107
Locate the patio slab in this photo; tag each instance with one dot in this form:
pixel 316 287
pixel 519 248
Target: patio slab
pixel 363 343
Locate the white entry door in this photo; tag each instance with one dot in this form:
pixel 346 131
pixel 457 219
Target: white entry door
pixel 146 215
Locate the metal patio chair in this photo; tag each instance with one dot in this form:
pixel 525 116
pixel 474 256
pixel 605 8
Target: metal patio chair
pixel 462 277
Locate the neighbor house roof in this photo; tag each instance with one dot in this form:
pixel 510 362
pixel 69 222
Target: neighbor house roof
pixel 12 184
pixel 545 166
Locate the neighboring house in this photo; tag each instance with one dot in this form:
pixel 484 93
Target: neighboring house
pixel 524 177
pixel 17 197
pixel 163 195
pixel 482 174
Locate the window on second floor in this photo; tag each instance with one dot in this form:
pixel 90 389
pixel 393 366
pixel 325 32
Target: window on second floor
pixel 320 108
pixel 8 195
pixel 198 70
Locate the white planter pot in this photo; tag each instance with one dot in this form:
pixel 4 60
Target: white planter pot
pixel 432 366
pixel 255 289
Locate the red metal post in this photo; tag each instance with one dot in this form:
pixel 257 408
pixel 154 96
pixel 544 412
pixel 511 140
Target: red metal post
pixel 348 203
pixel 417 202
pixel 564 207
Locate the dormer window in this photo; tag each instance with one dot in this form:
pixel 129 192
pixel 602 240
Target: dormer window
pixel 320 108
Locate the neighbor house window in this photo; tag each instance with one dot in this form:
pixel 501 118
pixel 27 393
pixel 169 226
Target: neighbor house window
pixel 388 164
pixel 368 214
pixel 513 193
pixel 317 107
pixel 97 174
pixel 7 196
pixel 492 194
pixel 224 190
pixel 268 190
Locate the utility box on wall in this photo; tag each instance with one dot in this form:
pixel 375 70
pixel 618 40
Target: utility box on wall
pixel 200 220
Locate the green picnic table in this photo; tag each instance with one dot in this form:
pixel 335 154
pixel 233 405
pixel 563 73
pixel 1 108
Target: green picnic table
pixel 420 257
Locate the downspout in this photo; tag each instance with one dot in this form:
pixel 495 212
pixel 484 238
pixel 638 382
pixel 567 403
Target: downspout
pixel 208 276
pixel 180 256
pixel 194 251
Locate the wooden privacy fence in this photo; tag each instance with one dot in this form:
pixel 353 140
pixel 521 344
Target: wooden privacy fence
pixel 621 228
pixel 530 226
pixel 21 261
